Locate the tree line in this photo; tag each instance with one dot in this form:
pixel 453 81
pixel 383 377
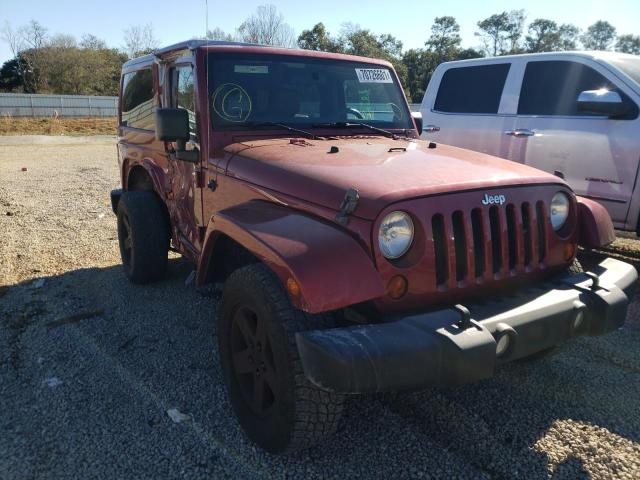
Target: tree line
pixel 60 64
pixel 44 63
pixel 499 34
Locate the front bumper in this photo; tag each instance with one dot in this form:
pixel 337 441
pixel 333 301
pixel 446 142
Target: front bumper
pixel 448 348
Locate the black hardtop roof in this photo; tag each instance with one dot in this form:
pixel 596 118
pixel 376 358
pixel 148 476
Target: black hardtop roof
pixel 185 45
pixel 146 60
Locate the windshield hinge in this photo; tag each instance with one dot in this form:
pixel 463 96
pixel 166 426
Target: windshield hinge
pixel 347 206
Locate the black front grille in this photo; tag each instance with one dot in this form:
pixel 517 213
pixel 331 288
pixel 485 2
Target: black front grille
pixel 487 243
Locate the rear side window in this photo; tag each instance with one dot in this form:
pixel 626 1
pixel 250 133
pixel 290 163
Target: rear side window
pixel 137 100
pixel 553 87
pixel 475 89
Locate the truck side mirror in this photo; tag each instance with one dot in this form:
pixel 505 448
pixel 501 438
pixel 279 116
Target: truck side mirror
pixel 172 125
pixel 603 102
pixel 417 117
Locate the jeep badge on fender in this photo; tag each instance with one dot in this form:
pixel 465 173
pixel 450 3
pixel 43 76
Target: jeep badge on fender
pixel 348 267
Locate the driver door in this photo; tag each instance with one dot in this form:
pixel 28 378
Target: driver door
pixel 185 192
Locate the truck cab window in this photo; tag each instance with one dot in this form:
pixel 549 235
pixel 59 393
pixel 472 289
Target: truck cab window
pixel 475 89
pixel 552 88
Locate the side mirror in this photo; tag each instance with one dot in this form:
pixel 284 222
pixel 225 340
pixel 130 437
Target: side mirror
pixel 417 118
pixel 172 125
pixel 602 102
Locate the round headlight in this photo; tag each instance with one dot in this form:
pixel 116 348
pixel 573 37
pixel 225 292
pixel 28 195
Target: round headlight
pixel 559 210
pixel 395 234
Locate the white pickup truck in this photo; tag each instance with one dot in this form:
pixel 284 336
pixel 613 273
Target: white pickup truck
pixel 574 114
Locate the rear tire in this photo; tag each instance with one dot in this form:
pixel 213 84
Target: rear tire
pixel 143 236
pixel 276 406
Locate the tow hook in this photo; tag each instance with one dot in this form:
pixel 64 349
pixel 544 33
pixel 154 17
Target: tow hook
pixel 594 279
pixel 348 205
pixel 465 317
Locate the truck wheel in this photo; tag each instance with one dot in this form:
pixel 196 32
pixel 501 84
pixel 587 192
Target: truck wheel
pixel 277 407
pixel 143 235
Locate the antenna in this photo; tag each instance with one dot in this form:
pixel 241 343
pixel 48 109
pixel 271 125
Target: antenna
pixel 212 178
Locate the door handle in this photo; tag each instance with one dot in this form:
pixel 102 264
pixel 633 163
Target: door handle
pixel 520 133
pixel 431 128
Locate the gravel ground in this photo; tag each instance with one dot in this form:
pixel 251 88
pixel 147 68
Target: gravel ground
pixel 90 365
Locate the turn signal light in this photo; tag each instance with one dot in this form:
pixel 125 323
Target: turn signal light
pixel 569 250
pixel 397 287
pixel 292 287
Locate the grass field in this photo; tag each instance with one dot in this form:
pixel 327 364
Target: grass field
pixel 58 126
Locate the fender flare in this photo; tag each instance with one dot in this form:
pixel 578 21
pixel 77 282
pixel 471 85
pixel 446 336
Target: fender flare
pixel 594 223
pixel 330 267
pixel 155 172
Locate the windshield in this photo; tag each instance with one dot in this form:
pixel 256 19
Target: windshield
pixel 629 66
pixel 251 90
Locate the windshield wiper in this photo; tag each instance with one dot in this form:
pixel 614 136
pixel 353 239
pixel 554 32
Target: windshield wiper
pixel 282 125
pixel 358 124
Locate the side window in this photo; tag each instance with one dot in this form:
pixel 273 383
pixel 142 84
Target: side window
pixel 137 100
pixel 183 93
pixel 552 88
pixel 476 89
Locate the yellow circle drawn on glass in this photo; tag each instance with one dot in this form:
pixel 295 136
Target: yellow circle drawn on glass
pixel 228 89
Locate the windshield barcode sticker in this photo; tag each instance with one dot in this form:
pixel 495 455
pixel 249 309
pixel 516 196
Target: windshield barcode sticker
pixel 374 75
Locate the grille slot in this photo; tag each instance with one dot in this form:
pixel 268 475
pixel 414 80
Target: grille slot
pixel 496 239
pixel 440 248
pixel 511 236
pixel 540 217
pixel 460 244
pixel 526 232
pixel 478 241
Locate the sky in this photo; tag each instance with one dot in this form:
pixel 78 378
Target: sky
pixel 408 20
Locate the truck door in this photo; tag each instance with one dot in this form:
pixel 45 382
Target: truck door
pixel 463 107
pixel 597 155
pixel 186 193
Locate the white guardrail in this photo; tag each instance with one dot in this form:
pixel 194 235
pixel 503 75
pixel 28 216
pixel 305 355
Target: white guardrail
pixel 35 105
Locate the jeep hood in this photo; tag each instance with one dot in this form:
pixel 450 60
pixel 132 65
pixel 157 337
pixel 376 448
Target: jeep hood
pixel 383 170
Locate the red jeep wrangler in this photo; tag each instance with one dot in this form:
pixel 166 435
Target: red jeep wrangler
pixel 355 257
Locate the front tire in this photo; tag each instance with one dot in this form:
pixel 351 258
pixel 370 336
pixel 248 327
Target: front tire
pixel 143 236
pixel 276 406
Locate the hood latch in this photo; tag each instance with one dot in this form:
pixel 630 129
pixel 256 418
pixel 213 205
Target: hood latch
pixel 348 205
